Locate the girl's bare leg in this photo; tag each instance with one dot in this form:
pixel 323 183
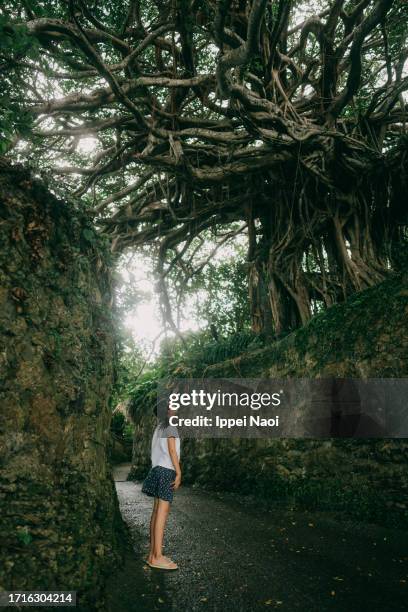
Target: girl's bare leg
pixel 162 512
pixel 152 521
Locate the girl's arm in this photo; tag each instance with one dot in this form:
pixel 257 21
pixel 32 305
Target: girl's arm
pixel 171 443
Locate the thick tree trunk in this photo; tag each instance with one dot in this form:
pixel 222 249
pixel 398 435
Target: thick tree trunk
pixel 274 306
pixel 260 305
pixel 285 315
pixel 289 269
pixel 259 299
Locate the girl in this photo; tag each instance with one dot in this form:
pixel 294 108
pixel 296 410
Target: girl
pixel 163 478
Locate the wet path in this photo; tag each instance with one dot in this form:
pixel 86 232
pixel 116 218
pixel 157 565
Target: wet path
pixel 233 557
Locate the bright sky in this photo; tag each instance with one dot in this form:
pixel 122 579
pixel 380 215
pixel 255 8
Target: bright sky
pixel 144 321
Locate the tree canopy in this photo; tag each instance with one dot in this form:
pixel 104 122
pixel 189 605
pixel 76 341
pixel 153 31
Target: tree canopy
pixel 284 118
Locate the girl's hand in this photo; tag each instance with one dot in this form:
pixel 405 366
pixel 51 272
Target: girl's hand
pixel 177 482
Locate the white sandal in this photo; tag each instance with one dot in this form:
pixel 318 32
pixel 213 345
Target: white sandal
pixel 163 566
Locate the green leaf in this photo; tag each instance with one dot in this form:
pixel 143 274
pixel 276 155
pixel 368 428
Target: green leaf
pixel 89 235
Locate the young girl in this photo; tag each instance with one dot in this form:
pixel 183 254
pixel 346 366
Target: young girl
pixel 163 478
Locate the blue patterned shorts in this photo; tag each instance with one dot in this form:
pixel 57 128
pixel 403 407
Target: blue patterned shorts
pixel 158 483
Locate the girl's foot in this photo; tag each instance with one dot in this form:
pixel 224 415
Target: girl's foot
pixel 162 562
pixel 165 559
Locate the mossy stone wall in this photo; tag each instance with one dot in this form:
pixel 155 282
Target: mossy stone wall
pixel 60 523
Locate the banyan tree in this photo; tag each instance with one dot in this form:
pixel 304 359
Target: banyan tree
pixel 283 119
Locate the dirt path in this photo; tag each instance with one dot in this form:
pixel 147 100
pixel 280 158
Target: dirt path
pixel 233 557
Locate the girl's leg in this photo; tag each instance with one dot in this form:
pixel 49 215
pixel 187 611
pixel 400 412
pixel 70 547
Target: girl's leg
pixel 152 522
pixel 163 508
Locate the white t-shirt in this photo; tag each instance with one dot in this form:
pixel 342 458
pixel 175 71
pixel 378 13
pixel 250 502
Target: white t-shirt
pixel 160 450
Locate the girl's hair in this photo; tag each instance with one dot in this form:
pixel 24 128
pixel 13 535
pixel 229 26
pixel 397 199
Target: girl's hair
pixel 160 411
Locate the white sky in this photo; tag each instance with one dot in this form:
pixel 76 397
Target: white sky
pixel 144 321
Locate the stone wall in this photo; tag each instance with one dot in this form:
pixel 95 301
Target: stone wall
pixel 60 523
pixel 367 337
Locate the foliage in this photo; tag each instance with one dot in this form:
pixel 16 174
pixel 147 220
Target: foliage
pixel 201 351
pixel 400 254
pixel 15 44
pixel 222 297
pixel 215 292
pixel 121 428
pixel 118 422
pixel 182 360
pixel 143 393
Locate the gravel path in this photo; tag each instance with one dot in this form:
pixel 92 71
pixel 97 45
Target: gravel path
pixel 235 557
